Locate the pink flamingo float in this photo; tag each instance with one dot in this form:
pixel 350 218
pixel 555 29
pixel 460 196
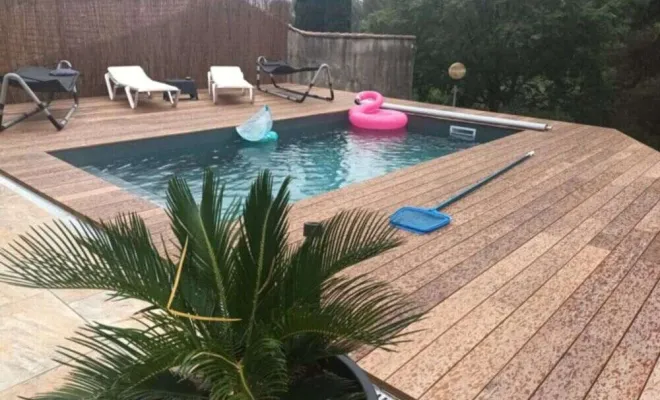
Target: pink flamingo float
pixel 368 115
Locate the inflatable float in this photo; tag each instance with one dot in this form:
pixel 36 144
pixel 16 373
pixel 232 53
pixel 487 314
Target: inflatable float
pixel 258 127
pixel 369 115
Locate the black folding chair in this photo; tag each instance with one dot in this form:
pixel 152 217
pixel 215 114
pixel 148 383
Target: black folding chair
pixel 41 80
pixel 273 68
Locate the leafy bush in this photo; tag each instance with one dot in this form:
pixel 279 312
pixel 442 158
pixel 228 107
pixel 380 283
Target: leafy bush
pixel 238 313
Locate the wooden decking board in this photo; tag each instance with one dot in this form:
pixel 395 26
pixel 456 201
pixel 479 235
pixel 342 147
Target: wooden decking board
pixel 513 293
pixel 653 172
pixel 475 369
pixel 454 343
pixel 529 360
pixel 77 186
pixel 493 314
pixel 437 358
pixel 487 204
pixel 453 234
pixel 626 196
pixel 47 181
pixel 382 363
pixel 516 183
pixel 457 276
pixel 579 367
pixel 477 252
pixel 508 215
pixel 109 212
pixel 103 199
pixel 439 188
pixel 154 217
pixel 596 201
pixel 626 220
pixel 34 164
pixel 44 170
pixel 526 265
pixel 631 363
pixel 161 225
pixel 89 193
pixel 520 190
pixel 513 261
pixel 651 222
pixel 423 273
pixel 652 388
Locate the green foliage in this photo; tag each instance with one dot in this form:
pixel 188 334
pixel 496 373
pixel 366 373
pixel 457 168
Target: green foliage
pixel 338 15
pixel 310 15
pixel 323 15
pixel 591 61
pixel 252 317
pixel 549 51
pixel 638 73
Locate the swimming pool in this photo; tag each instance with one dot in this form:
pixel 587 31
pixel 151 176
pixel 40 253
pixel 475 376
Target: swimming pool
pixel 321 153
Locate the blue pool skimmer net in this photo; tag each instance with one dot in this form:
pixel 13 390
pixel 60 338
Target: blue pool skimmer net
pixel 425 220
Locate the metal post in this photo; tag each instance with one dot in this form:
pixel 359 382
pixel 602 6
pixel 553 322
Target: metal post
pixel 455 90
pixel 312 229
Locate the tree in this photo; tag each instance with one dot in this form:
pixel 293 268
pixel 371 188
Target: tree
pixel 537 56
pixel 241 314
pixel 323 15
pixel 638 74
pixel 338 15
pixel 310 15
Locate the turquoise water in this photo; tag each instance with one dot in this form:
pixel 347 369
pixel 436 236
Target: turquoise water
pixel 321 157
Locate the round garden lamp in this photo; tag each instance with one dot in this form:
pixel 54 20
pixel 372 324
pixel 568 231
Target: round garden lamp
pixel 457 72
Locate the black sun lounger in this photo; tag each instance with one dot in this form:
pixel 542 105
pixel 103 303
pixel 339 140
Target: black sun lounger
pixel 41 80
pixel 273 68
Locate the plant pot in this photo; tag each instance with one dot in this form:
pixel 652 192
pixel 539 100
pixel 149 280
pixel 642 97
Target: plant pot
pixel 347 368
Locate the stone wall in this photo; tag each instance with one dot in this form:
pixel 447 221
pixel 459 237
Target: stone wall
pixel 358 61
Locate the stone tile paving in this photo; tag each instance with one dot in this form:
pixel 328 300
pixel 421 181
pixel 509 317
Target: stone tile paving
pixel 33 322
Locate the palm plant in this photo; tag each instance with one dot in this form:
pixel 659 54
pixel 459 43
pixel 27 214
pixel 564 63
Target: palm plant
pixel 237 313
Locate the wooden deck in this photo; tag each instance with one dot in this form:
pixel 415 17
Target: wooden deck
pixel 544 286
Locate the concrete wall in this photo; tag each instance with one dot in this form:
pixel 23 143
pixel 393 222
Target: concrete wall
pixel 358 61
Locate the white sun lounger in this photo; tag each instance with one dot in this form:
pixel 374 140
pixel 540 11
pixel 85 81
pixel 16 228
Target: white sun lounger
pixel 133 79
pixel 228 78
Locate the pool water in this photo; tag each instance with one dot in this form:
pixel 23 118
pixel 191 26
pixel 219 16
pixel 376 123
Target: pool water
pixel 321 153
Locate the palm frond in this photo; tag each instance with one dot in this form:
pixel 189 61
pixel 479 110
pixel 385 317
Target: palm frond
pixel 347 238
pixel 117 256
pixel 162 386
pixel 302 278
pixel 265 368
pixel 122 363
pixel 351 237
pixel 261 373
pixel 354 312
pixel 261 245
pixel 208 231
pixel 374 310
